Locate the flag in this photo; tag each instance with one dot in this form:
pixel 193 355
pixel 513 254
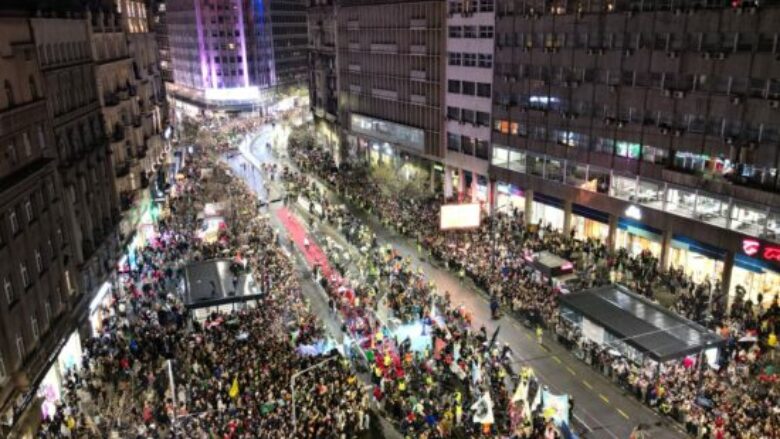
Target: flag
pixel 556 407
pixel 233 393
pixel 476 372
pixel 483 410
pixel 493 339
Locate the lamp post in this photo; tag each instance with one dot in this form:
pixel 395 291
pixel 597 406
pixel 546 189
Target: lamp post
pixel 292 386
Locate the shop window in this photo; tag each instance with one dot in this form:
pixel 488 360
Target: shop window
pixel 500 157
pixel 624 187
pixel 748 219
pixel 680 201
pixel 712 210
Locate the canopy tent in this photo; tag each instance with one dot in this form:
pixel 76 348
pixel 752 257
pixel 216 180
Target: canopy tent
pixel 211 283
pixel 653 330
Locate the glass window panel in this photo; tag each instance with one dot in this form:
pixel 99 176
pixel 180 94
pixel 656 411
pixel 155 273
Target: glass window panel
pixel 624 187
pixel 650 193
pixel 748 219
pixel 500 156
pixel 554 170
pixel 680 201
pixel 536 165
pixel 517 161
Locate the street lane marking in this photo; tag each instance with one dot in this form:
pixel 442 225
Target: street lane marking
pixel 622 413
pixel 557 360
pixel 587 384
pixel 571 371
pixel 604 398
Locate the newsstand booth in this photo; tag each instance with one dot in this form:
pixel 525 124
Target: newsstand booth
pixel 209 287
pixel 553 269
pixel 636 328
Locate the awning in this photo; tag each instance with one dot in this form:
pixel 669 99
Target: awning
pixel 657 332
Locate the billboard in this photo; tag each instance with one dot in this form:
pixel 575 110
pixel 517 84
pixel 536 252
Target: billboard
pixel 460 216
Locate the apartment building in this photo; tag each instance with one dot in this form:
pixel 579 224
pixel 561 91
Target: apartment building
pixel 468 100
pixel 390 69
pixel 650 125
pixel 37 255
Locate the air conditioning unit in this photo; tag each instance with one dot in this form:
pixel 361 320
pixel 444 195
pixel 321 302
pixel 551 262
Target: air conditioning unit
pixel 628 52
pixel 706 55
pixel 679 94
pixel 667 93
pixel 729 140
pixel 678 133
pixel 620 124
pixel 506 78
pixel 736 100
pixel 672 54
pixel 607 121
pixel 721 55
pixel 664 130
pixel 612 89
pixel 774 104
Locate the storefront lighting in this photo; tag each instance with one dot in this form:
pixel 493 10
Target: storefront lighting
pixel 634 212
pixel 750 246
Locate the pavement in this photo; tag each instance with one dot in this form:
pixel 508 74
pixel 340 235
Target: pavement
pixel 600 406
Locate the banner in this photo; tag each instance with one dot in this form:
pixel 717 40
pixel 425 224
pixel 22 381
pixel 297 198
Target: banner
pixel 483 410
pixel 555 407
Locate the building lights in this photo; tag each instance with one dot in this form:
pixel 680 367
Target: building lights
pixel 634 212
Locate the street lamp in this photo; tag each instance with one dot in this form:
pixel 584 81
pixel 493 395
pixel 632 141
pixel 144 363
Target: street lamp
pixel 292 386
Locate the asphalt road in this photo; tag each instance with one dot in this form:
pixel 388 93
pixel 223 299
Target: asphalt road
pixel 603 408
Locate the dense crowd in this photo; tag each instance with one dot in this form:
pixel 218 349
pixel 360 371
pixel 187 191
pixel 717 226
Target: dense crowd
pixel 739 397
pixel 232 371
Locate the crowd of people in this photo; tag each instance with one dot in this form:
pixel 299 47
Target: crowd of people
pixel 739 397
pixel 230 374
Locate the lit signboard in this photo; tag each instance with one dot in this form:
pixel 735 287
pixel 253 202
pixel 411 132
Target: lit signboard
pixel 757 249
pixel 460 216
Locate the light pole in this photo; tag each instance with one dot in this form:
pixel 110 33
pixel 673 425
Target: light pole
pixel 292 386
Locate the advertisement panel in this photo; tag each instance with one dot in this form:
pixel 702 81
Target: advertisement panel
pixel 460 216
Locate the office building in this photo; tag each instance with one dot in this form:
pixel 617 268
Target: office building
pixel 224 52
pixel 650 125
pixel 323 77
pixel 390 70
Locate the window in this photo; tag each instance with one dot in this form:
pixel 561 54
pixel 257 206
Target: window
pixel 24 274
pixel 47 312
pixel 470 59
pixel 453 113
pixel 454 58
pixel 9 94
pixel 485 61
pixel 41 139
pixel 455 32
pixel 28 210
pixel 469 32
pixel 20 350
pixel 486 31
pixel 60 237
pixel 468 116
pixel 33 88
pixel 468 88
pixel 453 86
pixel 483 90
pixel 483 119
pixel 34 326
pixel 39 261
pixel 50 249
pixel 485 5
pixel 12 154
pixel 8 287
pixel 3 371
pixel 453 142
pixel 13 222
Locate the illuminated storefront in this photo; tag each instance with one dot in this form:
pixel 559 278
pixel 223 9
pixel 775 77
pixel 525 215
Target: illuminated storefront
pixel 698 260
pixel 547 211
pixel 509 198
pixel 637 237
pixel 589 223
pixel 100 308
pixel 756 272
pixel 50 388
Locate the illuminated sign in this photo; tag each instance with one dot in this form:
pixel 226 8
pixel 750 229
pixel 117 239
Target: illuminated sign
pixel 755 248
pixel 460 216
pixel 634 212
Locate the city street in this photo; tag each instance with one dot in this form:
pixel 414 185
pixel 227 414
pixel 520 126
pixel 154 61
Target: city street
pixel 601 407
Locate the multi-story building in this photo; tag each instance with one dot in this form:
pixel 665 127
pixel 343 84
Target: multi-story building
pixel 83 156
pixel 37 256
pixel 323 77
pixel 469 76
pixel 390 70
pixel 224 52
pixel 130 91
pixel 651 125
pixel 158 23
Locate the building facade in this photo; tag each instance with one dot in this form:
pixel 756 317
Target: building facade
pixel 224 52
pixel 468 103
pixel 390 69
pixel 37 255
pixel 651 125
pixel 158 24
pixel 323 77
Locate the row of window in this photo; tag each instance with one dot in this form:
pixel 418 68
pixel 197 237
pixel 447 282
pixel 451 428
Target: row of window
pixel 468 145
pixel 468 88
pixel 464 115
pixel 460 6
pixel 666 42
pixel 470 31
pixel 465 59
pixel 12 150
pixel 30 208
pixel 541 7
pixel 713 125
